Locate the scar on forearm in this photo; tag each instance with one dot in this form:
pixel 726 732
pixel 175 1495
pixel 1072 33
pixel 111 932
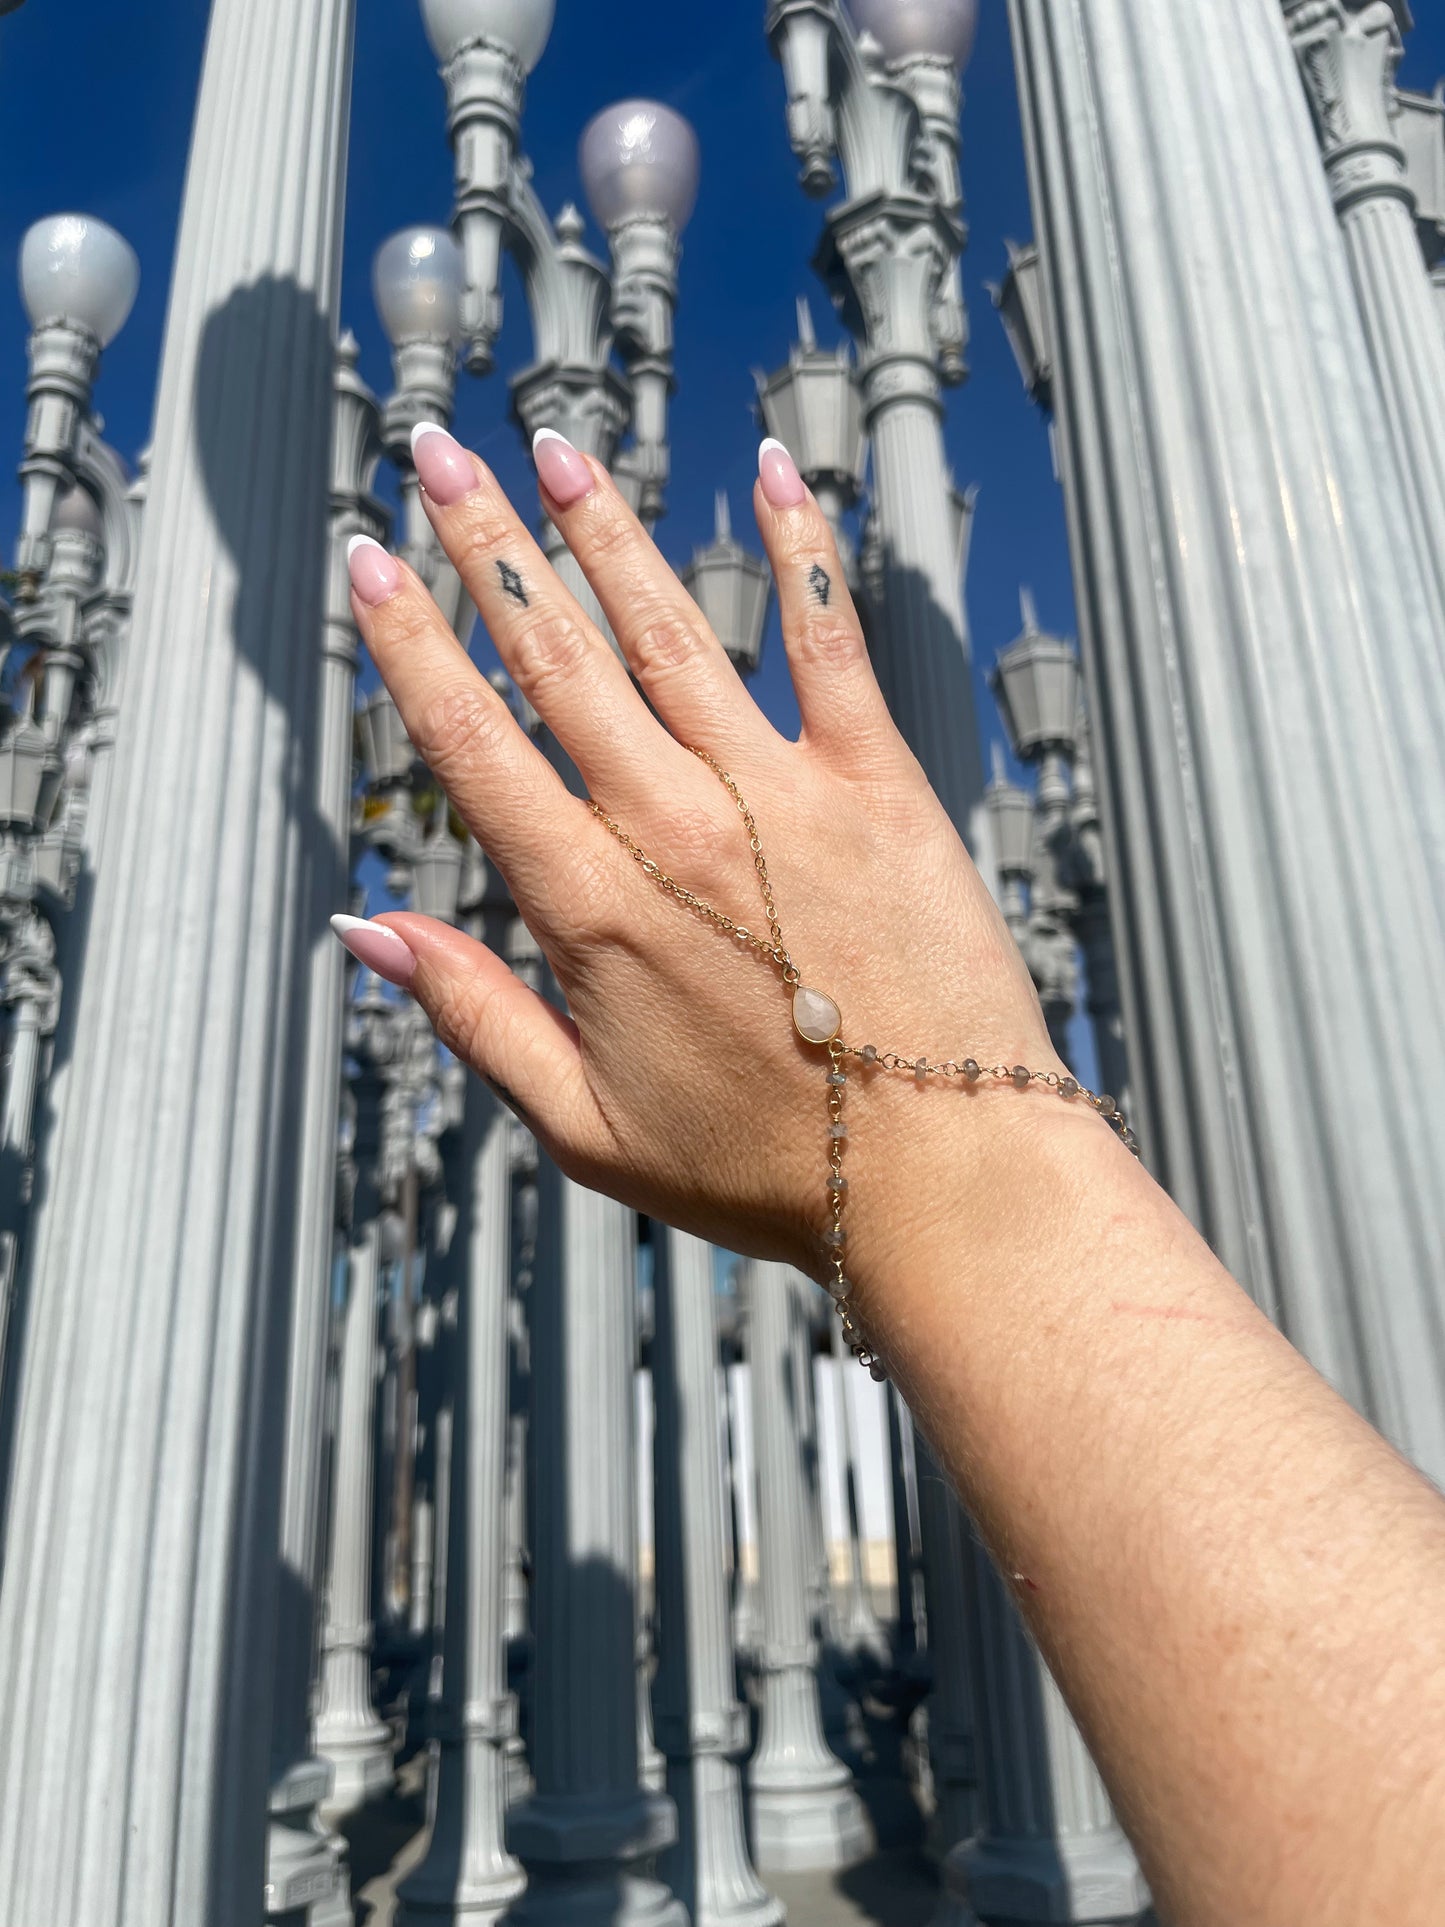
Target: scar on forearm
pixel 1166 1311
pixel 512 583
pixel 820 582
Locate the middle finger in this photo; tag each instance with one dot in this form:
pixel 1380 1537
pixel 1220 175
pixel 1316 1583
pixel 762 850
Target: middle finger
pixel 557 658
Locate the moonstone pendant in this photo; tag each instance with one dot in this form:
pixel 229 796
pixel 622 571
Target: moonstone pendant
pixel 815 1016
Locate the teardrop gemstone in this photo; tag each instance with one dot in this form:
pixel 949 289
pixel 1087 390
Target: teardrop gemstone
pixel 815 1016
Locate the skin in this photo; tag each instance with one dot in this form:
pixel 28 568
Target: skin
pixel 1236 1582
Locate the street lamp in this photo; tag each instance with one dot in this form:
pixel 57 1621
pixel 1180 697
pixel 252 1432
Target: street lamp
pixel 416 282
pixel 813 407
pixel 732 589
pixel 640 167
pixel 487 48
pixel 908 29
pixel 1036 683
pixel 78 280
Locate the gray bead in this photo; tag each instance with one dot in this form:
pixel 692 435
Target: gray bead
pixel 1068 1087
pixel 837 1079
pixel 837 1128
pixel 1022 1076
pixel 971 1069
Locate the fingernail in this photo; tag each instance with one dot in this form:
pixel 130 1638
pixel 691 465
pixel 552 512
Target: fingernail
pixel 562 471
pixel 442 464
pixel 375 575
pixel 778 472
pixel 378 947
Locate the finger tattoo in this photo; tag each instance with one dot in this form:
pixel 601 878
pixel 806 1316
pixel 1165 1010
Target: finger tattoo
pixel 512 584
pixel 509 1098
pixel 820 583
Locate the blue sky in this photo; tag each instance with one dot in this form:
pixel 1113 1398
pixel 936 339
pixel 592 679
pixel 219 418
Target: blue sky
pixel 96 116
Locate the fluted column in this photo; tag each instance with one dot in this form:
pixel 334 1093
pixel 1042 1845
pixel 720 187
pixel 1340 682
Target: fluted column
pixel 806 1812
pixel 701 1728
pixel 349 1733
pixel 1264 690
pixel 589 1833
pixel 468 1874
pixel 952 1751
pixel 1048 1848
pixel 892 256
pixel 294 1858
pixel 138 1603
pixel 1348 56
pixel 857 1623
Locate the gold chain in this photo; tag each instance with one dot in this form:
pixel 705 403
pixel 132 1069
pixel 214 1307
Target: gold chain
pixel 809 1021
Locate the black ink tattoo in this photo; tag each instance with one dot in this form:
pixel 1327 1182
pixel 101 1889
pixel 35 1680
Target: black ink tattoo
pixel 498 1089
pixel 820 583
pixel 512 584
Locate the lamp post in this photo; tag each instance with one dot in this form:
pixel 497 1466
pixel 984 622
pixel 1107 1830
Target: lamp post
pixel 1420 129
pixel 1036 684
pixel 1348 55
pixel 815 409
pixel 487 48
pixel 299 1860
pixel 639 163
pixel 79 280
pixel 417 286
pixel 806 1812
pixel 146 1479
pixel 1255 786
pixel 885 101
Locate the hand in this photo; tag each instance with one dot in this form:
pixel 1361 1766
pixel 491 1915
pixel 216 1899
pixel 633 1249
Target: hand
pixel 678 1083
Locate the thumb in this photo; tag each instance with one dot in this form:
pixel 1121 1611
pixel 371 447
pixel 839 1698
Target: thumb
pixel 525 1049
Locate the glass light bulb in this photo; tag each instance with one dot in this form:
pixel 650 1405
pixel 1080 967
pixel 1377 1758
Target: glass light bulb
pixel 640 157
pixel 75 268
pixel 904 28
pixel 417 284
pixel 522 25
pixel 77 509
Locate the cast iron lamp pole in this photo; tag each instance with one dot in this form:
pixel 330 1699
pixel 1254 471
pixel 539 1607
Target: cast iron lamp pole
pixel 885 106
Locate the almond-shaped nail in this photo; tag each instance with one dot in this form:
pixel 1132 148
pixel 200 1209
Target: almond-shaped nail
pixel 375 575
pixel 778 472
pixel 442 464
pixel 561 470
pixel 378 947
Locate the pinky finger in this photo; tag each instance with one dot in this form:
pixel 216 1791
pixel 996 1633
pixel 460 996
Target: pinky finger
pixel 523 1048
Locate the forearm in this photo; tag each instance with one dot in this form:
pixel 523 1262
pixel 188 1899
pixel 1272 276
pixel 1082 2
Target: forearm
pixel 1237 1583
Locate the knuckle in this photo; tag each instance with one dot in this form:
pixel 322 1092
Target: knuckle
pixel 455 726
pixel 834 641
pixel 661 640
pixel 545 647
pixel 696 837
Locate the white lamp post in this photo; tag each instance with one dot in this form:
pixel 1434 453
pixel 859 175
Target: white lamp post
pixel 886 105
pixel 417 285
pixel 78 280
pixel 640 165
pixel 487 48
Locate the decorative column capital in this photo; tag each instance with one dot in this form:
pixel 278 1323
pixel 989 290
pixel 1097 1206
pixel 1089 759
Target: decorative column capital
pixel 892 264
pixel 1348 56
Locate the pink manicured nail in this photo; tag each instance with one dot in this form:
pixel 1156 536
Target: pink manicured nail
pixel 562 471
pixel 378 947
pixel 375 575
pixel 778 472
pixel 443 465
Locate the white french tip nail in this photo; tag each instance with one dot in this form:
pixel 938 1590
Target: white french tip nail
pixel 361 542
pixel 549 435
pixel 340 922
pixel 769 442
pixel 426 428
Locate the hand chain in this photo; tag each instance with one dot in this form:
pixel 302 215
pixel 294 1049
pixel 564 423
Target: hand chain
pixel 818 1021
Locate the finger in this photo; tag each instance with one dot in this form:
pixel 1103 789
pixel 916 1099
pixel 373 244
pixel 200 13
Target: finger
pixel 506 792
pixel 558 659
pixel 667 641
pixel 841 705
pixel 527 1051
